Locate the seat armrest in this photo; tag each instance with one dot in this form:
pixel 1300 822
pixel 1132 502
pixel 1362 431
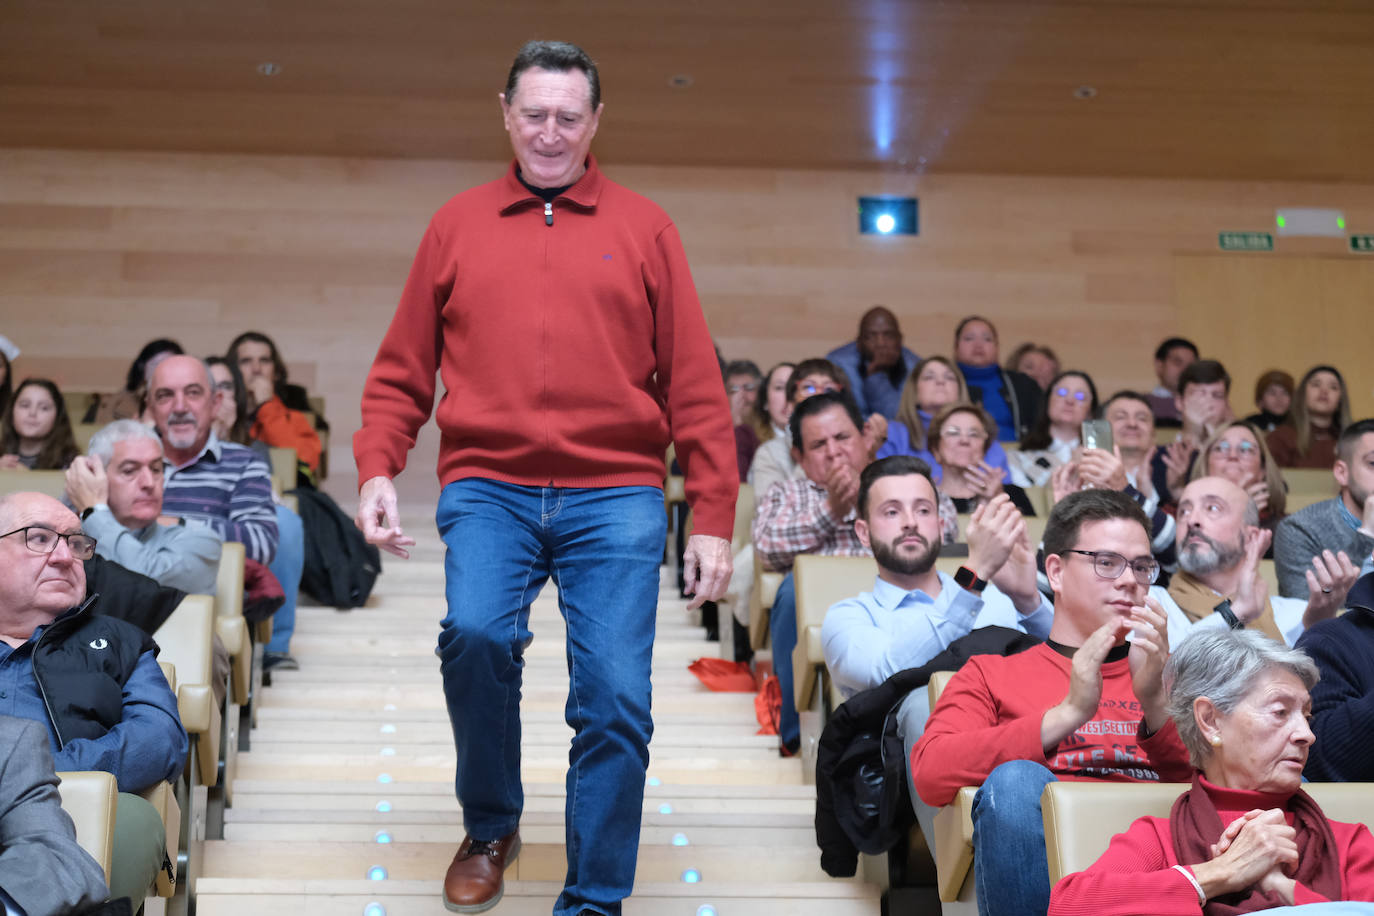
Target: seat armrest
pixel 953 844
pixel 89 797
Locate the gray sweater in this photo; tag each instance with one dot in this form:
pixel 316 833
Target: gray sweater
pixel 1306 533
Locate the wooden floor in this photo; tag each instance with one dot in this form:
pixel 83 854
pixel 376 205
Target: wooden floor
pixel 344 804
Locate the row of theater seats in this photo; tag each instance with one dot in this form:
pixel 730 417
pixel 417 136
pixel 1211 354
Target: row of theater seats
pixel 193 809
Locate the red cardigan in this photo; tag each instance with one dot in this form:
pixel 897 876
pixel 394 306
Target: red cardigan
pixel 570 353
pixel 1136 877
pixel 991 711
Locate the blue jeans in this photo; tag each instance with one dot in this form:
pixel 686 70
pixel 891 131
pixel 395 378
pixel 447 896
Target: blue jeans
pixel 1009 866
pixel 287 566
pixel 782 633
pixel 602 547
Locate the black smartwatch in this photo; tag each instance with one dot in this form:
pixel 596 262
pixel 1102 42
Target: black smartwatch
pixel 1228 615
pixel 967 578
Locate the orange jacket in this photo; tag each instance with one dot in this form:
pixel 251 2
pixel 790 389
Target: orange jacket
pixel 281 427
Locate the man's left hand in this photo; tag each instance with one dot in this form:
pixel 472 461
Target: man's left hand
pixel 1149 651
pixel 706 568
pixel 1328 581
pixel 87 484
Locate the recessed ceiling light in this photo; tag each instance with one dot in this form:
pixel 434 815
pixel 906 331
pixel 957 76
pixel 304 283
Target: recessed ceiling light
pixel 680 80
pixel 269 68
pixel 1084 93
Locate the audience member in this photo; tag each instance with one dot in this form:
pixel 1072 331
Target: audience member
pixel 773 459
pixel 231 420
pixel 773 410
pixel 1036 361
pixel 42 868
pixel 1013 399
pixel 1171 358
pixel 1246 837
pixel 876 363
pixel 1087 704
pixel 1274 398
pixel 280 411
pixel 45 627
pixel 1238 453
pixel 130 402
pixel 1320 411
pixel 117 491
pixel 1344 523
pixel 36 432
pixel 813 515
pixel 225 486
pixel 1220 544
pixel 1133 436
pixel 1203 389
pixel 1343 699
pixel 8 352
pixel 742 382
pixel 959 439
pixel 934 384
pixel 1053 440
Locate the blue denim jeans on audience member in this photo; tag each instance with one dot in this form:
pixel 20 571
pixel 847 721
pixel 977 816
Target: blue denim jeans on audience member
pixel 782 634
pixel 287 566
pixel 602 547
pixel 1009 866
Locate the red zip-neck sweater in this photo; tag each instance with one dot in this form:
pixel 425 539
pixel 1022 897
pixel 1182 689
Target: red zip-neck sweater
pixel 571 345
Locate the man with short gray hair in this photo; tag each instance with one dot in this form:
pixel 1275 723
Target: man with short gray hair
pixel 117 490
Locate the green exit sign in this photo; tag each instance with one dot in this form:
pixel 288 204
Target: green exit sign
pixel 1362 243
pixel 1246 241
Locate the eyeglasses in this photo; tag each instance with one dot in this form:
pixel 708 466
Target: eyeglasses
pixel 44 540
pixel 977 434
pixel 1244 447
pixel 809 390
pixel 1109 565
pixel 1066 393
pixel 747 386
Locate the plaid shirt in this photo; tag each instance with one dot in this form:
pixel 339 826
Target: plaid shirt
pixel 795 518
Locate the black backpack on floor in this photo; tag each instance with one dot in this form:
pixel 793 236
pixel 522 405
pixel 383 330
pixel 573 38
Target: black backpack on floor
pixel 340 565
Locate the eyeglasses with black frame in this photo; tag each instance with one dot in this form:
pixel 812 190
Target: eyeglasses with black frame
pixel 44 540
pixel 1110 565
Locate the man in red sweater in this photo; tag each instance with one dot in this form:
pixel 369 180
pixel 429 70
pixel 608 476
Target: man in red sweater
pixel 559 310
pixel 1087 704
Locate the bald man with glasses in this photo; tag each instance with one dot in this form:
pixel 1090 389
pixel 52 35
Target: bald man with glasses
pixel 92 681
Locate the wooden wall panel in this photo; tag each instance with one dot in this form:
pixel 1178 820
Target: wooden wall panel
pixel 100 252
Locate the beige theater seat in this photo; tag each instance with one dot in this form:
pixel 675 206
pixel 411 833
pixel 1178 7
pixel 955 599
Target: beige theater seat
pixel 229 622
pixel 821 582
pixel 163 799
pixel 761 601
pixel 952 843
pixel 89 797
pixel 1082 817
pixel 53 483
pixel 185 641
pixel 283 469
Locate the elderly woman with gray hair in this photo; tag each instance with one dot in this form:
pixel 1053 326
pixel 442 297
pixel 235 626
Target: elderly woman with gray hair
pixel 1244 837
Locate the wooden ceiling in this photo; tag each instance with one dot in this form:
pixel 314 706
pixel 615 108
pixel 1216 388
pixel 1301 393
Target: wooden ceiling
pixel 1243 89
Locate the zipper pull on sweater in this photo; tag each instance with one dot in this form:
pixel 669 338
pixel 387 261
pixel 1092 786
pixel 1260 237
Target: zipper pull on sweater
pixel 548 213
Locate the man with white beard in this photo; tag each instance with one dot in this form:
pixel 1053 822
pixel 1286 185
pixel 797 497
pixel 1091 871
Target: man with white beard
pixel 1220 544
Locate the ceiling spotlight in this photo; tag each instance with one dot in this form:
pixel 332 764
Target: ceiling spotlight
pixel 269 68
pixel 680 80
pixel 1083 93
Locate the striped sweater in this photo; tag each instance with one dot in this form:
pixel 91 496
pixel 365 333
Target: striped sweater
pixel 229 488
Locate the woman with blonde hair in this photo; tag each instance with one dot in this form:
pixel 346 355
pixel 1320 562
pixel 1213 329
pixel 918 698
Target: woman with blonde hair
pixel 1237 452
pixel 934 384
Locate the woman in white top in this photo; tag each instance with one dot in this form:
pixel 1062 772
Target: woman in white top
pixel 1052 441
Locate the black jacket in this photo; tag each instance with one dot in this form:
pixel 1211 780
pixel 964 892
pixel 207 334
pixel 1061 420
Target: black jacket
pixel 862 800
pixel 130 596
pixel 80 664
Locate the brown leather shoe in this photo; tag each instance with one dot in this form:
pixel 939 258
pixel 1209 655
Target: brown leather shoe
pixel 474 881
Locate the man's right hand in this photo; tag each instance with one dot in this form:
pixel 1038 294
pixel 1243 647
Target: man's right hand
pixel 841 490
pixel 87 484
pixel 379 519
pixel 1085 686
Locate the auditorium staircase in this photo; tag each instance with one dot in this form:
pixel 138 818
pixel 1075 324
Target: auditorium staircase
pixel 344 802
